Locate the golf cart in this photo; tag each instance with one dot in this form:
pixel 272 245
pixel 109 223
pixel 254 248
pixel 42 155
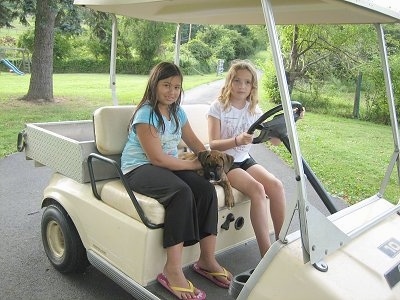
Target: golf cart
pixel 91 217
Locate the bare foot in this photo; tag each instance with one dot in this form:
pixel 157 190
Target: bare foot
pixel 213 268
pixel 180 285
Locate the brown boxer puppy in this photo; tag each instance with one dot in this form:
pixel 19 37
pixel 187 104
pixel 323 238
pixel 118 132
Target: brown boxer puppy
pixel 215 165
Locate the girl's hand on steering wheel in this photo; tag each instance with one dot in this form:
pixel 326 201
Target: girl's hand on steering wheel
pixel 303 111
pixel 275 141
pixel 244 138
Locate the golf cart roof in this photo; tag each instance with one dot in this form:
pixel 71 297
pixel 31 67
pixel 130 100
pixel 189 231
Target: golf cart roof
pixel 250 11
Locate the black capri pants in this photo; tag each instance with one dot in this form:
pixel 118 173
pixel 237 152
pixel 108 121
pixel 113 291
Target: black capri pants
pixel 190 202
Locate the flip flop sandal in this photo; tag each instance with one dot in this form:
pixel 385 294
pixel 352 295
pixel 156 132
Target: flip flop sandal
pixel 162 279
pixel 212 275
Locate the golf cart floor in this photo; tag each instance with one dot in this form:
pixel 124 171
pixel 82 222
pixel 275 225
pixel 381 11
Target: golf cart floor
pixel 240 259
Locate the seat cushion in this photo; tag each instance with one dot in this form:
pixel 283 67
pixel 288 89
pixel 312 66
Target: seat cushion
pixel 113 193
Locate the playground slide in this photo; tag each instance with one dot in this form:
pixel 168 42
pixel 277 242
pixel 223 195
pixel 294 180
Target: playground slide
pixel 11 66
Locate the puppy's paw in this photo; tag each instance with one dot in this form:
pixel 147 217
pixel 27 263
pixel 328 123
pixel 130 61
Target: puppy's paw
pixel 229 201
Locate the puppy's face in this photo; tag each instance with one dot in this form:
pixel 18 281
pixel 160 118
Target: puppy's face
pixel 215 164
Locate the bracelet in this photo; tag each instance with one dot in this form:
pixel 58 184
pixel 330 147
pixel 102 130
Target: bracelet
pixel 236 141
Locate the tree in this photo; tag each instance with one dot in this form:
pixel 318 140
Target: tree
pixel 41 82
pixel 148 37
pixel 228 42
pixel 49 15
pixel 320 51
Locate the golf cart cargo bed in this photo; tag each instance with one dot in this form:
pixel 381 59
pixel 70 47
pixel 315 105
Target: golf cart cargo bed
pixel 64 147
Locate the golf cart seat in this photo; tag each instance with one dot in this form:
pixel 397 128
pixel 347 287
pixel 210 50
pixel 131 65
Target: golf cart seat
pixel 110 128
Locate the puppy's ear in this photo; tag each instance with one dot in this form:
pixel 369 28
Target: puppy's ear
pixel 228 161
pixel 202 156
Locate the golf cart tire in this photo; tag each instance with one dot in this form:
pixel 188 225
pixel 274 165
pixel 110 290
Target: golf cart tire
pixel 61 241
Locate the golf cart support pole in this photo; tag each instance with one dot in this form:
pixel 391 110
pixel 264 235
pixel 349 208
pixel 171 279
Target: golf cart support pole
pixel 113 59
pixel 312 222
pixel 392 110
pixel 289 120
pixel 178 38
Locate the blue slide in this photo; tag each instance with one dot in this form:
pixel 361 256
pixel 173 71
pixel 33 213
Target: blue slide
pixel 12 67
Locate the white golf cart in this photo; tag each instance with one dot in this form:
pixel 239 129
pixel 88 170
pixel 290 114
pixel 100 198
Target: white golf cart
pixel 91 217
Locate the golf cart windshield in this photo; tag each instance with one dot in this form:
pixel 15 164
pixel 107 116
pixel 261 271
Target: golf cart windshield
pixel 319 235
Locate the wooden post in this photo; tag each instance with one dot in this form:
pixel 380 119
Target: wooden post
pixel 356 108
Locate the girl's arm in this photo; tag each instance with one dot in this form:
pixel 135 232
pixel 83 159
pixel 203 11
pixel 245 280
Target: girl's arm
pixel 150 142
pixel 214 135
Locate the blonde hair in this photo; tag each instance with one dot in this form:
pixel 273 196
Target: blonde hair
pixel 226 90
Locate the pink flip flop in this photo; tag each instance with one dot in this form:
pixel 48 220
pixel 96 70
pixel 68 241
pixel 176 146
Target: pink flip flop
pixel 212 275
pixel 162 279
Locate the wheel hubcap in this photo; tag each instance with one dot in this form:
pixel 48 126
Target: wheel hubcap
pixel 55 239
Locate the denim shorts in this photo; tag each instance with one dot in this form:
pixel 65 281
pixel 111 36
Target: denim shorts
pixel 247 163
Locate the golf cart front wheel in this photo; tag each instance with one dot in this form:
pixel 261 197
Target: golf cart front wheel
pixel 61 241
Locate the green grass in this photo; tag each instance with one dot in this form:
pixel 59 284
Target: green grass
pixel 349 156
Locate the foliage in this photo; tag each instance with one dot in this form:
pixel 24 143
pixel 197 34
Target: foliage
pixel 91 65
pixel 6 14
pixel 315 56
pixel 189 31
pixel 320 52
pixel 25 40
pixel 227 44
pixel 10 10
pixel 99 34
pixel 63 47
pixel 269 81
pixel 148 37
pixel 199 50
pixel 196 58
pixel 375 93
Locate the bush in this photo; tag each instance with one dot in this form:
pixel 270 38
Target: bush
pixel 269 82
pixel 99 66
pixel 199 50
pixel 375 92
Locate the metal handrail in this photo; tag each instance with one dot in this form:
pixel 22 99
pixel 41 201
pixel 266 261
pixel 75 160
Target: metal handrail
pixel 121 176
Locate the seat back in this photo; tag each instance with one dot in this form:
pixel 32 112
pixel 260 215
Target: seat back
pixel 111 126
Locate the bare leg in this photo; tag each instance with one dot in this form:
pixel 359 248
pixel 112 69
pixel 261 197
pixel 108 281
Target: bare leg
pixel 252 183
pixel 207 259
pixel 274 190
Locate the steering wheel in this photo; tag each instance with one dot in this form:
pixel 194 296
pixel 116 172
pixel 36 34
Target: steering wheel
pixel 275 127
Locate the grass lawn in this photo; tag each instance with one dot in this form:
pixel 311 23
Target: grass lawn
pixel 349 156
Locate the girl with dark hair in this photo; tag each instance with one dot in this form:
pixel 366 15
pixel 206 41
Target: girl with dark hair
pixel 151 165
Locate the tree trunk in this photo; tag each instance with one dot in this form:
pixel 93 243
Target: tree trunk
pixel 294 58
pixel 41 82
